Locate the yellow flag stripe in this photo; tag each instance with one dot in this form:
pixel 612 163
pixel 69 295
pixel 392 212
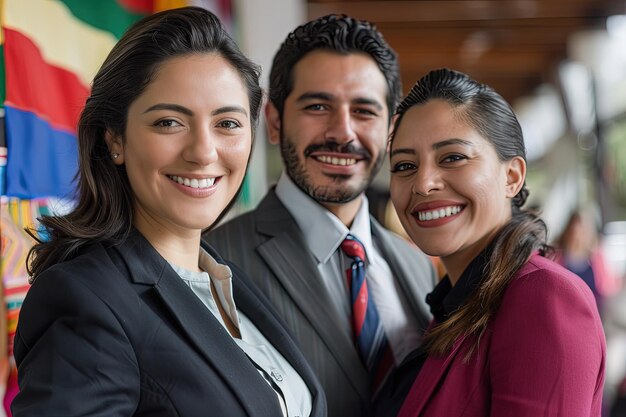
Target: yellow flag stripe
pixel 63 40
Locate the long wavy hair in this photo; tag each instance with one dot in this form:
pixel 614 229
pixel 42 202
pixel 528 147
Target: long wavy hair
pixel 492 117
pixel 104 207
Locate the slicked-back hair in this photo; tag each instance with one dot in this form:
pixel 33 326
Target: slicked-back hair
pixel 334 33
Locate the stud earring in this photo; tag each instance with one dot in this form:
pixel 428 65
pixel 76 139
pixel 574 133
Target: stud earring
pixel 115 155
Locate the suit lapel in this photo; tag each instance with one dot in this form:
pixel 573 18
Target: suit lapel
pixel 402 273
pixel 286 255
pixel 198 325
pixel 433 371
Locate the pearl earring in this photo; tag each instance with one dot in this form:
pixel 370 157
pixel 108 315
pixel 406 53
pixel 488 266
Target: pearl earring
pixel 115 155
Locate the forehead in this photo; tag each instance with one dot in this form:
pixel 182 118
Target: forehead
pixel 196 79
pixel 348 74
pixel 432 122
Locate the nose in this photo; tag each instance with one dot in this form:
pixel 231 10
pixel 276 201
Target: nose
pixel 340 128
pixel 201 148
pixel 427 180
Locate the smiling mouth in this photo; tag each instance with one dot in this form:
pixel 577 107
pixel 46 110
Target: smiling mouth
pixel 193 182
pixel 333 160
pixel 439 213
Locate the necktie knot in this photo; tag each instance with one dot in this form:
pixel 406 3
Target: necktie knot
pixel 353 248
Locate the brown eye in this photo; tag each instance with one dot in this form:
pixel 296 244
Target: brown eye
pixel 402 166
pixel 167 123
pixel 229 124
pixel 454 158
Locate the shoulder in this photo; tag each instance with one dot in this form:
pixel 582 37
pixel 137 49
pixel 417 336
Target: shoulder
pixel 91 263
pixel 545 278
pixel 547 296
pixel 240 222
pixel 381 232
pixel 394 242
pixel 84 287
pixel 268 219
pixel 92 274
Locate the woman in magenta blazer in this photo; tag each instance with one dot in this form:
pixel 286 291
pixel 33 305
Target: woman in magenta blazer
pixel 514 334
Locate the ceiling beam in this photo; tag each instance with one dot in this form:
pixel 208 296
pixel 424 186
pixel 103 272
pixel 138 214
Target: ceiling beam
pixel 442 10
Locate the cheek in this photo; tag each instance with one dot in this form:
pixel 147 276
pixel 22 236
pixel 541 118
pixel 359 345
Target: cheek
pixel 398 197
pixel 488 191
pixel 376 137
pixel 236 154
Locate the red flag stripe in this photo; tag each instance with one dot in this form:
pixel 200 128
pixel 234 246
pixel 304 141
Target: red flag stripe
pixel 54 94
pixel 138 6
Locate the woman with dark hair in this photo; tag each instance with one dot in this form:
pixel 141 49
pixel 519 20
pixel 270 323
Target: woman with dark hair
pixel 514 334
pixel 129 313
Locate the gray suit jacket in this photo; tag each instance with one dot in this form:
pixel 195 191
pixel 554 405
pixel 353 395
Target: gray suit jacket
pixel 268 244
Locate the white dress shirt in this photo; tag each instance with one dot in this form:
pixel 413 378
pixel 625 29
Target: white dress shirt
pixel 323 233
pixel 292 392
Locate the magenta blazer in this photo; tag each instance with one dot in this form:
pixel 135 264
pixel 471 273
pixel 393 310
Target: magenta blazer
pixel 542 355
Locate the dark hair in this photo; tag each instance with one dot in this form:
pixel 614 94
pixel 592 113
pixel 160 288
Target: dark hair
pixel 340 34
pixel 104 207
pixel 487 112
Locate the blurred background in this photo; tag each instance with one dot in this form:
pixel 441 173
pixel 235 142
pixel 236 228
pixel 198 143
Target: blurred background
pixel 561 64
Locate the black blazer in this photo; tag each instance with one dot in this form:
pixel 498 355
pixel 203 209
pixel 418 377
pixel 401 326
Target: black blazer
pixel 116 332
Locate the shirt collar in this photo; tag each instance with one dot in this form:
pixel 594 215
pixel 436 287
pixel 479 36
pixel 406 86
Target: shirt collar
pixel 446 299
pixel 211 269
pixel 322 230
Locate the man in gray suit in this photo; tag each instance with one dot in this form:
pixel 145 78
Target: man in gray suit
pixel 334 85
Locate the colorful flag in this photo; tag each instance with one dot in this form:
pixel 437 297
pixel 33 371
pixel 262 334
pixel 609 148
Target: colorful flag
pixel 52 51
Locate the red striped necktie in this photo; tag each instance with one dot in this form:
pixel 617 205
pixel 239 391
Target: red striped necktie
pixel 367 328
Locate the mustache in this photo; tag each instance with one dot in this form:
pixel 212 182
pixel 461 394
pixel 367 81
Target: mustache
pixel 332 146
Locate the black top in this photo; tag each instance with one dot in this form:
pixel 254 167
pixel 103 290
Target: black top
pixel 444 300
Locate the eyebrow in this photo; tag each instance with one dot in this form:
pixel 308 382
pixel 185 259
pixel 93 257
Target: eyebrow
pixel 438 145
pixel 184 110
pixel 169 106
pixel 229 109
pixel 328 97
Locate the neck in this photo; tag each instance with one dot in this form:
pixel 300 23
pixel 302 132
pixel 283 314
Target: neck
pixel 345 212
pixel 180 247
pixel 458 262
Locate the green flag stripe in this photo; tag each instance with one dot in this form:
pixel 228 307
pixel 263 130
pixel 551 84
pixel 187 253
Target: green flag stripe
pixel 107 15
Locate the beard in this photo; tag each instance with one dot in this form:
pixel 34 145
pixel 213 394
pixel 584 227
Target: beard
pixel 338 191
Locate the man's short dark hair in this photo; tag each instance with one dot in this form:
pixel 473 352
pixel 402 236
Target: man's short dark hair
pixel 336 33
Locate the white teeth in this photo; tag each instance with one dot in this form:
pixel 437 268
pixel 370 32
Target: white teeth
pixel 438 213
pixel 193 182
pixel 333 160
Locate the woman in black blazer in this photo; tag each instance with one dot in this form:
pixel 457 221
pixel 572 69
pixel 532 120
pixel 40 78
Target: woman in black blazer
pixel 129 314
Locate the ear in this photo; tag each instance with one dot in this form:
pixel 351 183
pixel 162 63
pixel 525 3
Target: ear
pixel 392 127
pixel 272 118
pixel 114 143
pixel 515 176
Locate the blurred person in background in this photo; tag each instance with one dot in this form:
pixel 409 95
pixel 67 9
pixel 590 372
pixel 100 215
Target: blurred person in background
pixel 579 250
pixel 129 313
pixel 514 333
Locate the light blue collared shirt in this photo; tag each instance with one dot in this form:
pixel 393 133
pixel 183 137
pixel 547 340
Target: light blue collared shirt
pixel 296 398
pixel 323 233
